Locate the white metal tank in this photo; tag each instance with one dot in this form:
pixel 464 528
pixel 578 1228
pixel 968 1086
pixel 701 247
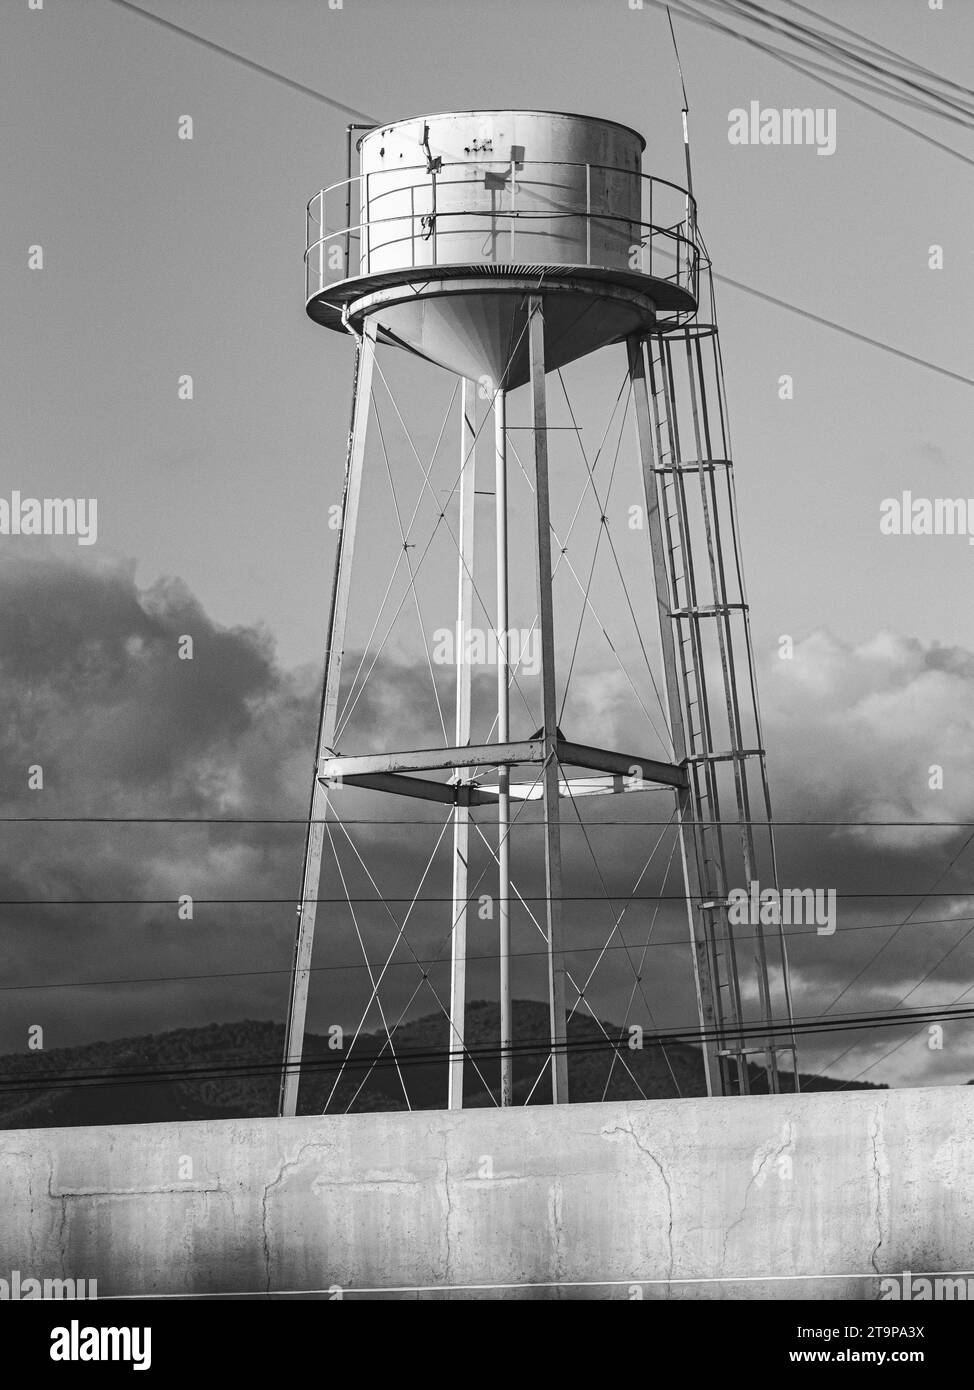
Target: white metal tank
pixel 513 187
pixel 454 218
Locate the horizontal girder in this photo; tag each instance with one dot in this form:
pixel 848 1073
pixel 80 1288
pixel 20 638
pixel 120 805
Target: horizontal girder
pixel 383 771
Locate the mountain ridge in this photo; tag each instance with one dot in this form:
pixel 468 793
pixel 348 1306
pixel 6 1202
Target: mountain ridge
pixel 232 1070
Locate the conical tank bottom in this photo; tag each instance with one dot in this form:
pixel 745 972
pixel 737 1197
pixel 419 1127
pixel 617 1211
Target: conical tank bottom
pixel 482 334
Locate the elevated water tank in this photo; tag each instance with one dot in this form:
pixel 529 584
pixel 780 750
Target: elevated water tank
pixel 454 219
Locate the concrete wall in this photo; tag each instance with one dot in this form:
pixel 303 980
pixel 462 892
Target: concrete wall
pixel 777 1196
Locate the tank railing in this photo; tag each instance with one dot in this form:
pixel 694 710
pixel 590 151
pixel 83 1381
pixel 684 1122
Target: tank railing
pixel 503 164
pixel 653 181
pixel 329 256
pixel 506 170
pixel 661 253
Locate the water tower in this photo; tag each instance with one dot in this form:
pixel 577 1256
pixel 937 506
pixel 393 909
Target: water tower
pixel 502 246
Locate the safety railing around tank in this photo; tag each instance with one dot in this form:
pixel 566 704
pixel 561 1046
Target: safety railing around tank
pixel 381 221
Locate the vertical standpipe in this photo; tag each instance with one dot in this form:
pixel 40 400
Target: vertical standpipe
pixel 461 814
pixel 503 734
pixel 550 780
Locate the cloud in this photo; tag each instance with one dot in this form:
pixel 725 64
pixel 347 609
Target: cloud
pixel 855 733
pixel 94 691
pixel 869 723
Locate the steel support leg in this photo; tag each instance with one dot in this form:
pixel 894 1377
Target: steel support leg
pixel 461 815
pixel 552 827
pixel 307 908
pixel 503 734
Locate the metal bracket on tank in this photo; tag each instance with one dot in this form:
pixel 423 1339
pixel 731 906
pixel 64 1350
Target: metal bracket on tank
pixel 433 166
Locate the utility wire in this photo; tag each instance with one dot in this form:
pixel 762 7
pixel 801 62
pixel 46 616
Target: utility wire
pixel 841 328
pixel 83 1077
pixel 771 52
pixel 437 898
pixel 818 41
pixel 851 1081
pixel 872 960
pixel 487 956
pixel 823 44
pixel 659 4
pixel 922 981
pixel 875 46
pixel 371 820
pixel 239 58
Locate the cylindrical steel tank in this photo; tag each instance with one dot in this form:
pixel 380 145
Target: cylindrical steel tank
pixel 454 219
pixel 511 187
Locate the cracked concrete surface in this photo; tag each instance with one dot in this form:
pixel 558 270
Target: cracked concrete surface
pixel 448 1199
pixel 286 1166
pixel 655 1193
pixel 767 1155
pixel 880 1173
pixel 630 1131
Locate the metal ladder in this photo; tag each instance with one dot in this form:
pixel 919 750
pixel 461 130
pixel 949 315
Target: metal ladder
pixel 707 835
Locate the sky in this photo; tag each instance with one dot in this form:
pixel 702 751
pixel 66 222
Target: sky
pixel 164 257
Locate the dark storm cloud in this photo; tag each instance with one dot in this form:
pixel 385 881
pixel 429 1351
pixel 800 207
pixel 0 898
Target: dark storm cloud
pixel 98 694
pixel 858 732
pixel 94 691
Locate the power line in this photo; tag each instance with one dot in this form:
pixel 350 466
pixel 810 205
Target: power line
pixel 239 58
pixel 848 332
pixel 923 978
pixel 747 289
pixel 875 957
pixel 840 895
pixel 882 49
pixel 896 1047
pixel 749 1029
pixel 772 52
pixel 851 57
pixel 372 821
pixel 487 956
pixel 940 878
pixel 659 4
pixel 922 981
